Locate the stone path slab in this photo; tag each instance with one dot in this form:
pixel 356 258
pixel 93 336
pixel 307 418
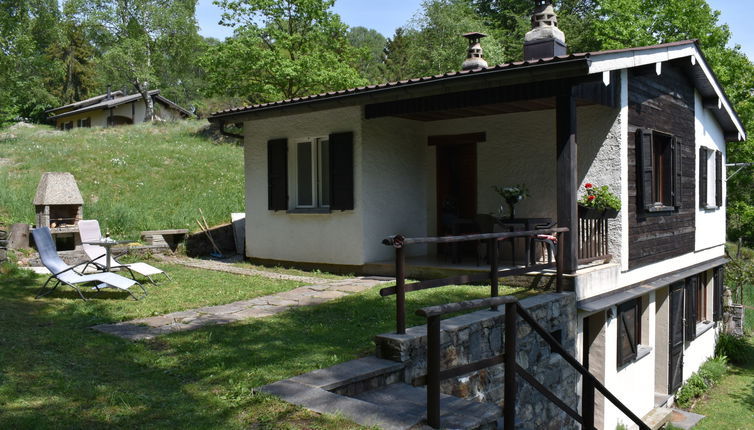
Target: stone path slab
pixel 321 291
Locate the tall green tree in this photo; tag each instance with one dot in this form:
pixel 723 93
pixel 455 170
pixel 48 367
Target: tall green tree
pixel 370 44
pixel 27 29
pixel 142 41
pixel 281 49
pixel 395 57
pixel 431 43
pixel 75 56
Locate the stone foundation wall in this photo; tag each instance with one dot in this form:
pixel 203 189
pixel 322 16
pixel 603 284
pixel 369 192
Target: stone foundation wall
pixel 479 335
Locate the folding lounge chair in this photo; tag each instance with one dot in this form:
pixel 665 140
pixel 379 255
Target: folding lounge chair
pixel 90 231
pixel 65 274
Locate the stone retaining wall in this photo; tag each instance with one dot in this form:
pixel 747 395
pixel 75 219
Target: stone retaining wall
pixel 479 335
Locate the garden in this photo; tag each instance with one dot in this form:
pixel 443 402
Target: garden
pixel 56 372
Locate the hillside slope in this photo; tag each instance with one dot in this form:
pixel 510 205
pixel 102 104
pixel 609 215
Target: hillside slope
pixel 135 178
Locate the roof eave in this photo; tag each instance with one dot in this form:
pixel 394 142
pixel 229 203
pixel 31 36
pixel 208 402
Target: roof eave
pixel 705 80
pixel 519 73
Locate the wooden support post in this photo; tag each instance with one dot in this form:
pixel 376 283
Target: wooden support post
pixel 400 291
pixel 509 388
pixel 494 276
pixel 567 178
pixel 559 265
pixel 433 371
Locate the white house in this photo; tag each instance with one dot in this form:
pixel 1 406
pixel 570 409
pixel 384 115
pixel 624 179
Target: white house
pixel 113 109
pixel 329 176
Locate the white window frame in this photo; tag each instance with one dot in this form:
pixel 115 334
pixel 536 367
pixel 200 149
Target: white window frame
pixel 317 171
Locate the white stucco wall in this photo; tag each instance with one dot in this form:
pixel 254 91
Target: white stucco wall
pixel 698 351
pixel 520 149
pixel 395 160
pixel 600 142
pixel 710 224
pixel 335 237
pixel 632 384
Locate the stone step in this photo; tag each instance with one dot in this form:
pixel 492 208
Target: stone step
pixel 657 417
pixel 353 377
pixel 455 412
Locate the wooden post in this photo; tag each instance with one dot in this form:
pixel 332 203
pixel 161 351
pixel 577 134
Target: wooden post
pixel 559 265
pixel 567 177
pixel 400 291
pixel 509 388
pixel 587 403
pixel 433 371
pixel 494 277
pixel 18 236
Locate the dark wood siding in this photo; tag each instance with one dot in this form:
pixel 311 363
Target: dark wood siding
pixel 663 103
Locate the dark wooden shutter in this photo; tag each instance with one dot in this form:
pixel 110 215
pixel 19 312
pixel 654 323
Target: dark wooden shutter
pixel 718 179
pixel 277 175
pixel 702 177
pixel 690 302
pixel 677 149
pixel 341 171
pixel 644 160
pixel 717 294
pixel 628 331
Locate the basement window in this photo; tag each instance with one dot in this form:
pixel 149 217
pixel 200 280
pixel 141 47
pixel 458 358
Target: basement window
pixel 629 331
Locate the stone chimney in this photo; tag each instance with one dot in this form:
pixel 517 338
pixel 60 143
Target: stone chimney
pixel 474 57
pixel 545 40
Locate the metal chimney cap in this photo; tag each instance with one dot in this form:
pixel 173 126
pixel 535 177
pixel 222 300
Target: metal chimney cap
pixel 474 35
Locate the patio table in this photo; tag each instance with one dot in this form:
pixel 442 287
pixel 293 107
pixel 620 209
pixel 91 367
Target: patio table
pixel 528 224
pixel 107 243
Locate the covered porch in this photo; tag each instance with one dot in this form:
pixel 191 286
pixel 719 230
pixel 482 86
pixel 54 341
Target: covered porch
pixel 458 146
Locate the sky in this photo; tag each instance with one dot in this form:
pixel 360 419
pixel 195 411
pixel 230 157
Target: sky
pixel 387 15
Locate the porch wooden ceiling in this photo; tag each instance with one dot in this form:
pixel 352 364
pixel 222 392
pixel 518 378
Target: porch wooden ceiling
pixel 547 103
pixel 499 100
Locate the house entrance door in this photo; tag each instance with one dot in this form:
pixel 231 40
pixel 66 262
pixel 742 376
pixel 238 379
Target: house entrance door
pixel 675 371
pixel 456 187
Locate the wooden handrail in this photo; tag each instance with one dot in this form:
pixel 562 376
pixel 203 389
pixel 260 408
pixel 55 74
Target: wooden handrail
pixel 400 242
pixel 513 309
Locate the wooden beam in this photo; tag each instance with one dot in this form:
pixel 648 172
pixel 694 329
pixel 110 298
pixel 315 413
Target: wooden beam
pixel 712 102
pixel 457 139
pixel 567 178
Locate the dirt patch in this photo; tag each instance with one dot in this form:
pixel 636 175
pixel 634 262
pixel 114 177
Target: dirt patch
pixel 5 162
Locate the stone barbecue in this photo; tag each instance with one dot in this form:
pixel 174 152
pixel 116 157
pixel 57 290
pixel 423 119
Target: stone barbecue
pixel 59 206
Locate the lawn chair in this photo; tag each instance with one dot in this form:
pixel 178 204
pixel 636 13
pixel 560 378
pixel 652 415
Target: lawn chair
pixel 65 274
pixel 90 231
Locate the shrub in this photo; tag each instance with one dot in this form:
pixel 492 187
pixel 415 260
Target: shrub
pixel 693 388
pixel 714 369
pixel 735 348
pixel 708 375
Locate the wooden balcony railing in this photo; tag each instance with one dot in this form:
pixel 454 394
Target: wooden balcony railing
pixel 594 235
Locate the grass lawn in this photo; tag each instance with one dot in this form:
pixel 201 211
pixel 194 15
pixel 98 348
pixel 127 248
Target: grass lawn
pixel 55 372
pixel 132 178
pixel 292 271
pixel 730 404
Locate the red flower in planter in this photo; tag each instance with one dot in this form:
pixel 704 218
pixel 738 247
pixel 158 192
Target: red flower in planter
pixel 592 197
pixel 588 185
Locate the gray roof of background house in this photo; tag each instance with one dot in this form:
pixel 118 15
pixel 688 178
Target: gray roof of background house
pixel 58 188
pixel 117 101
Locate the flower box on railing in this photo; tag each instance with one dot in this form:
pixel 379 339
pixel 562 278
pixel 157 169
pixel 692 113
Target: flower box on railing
pixel 586 212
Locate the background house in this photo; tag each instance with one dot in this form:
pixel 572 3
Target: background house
pixel 329 176
pixel 112 109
